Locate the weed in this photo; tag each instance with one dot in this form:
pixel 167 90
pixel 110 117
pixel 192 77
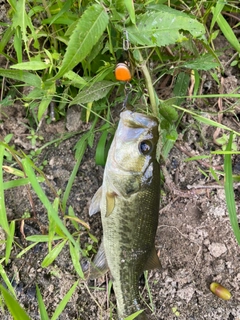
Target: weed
pixel 65 54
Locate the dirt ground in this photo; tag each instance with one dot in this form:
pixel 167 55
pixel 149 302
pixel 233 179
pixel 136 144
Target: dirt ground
pixel 194 236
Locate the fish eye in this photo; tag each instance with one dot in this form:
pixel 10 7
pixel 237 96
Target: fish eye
pixel 145 147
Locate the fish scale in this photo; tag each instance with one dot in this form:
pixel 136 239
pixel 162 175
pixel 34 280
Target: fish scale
pixel 129 205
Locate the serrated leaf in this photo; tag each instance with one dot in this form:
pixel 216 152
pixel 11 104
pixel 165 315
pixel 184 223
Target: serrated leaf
pixel 88 31
pixel 22 20
pixel 205 62
pixel 24 76
pixel 162 27
pixel 96 92
pixel 31 65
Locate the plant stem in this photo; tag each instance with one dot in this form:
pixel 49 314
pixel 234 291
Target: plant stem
pixel 149 85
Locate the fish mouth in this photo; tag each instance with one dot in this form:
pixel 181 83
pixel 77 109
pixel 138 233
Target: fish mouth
pixel 138 120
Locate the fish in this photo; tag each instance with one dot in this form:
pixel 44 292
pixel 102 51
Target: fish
pixel 129 204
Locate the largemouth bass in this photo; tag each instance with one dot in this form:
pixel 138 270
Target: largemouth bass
pixel 129 205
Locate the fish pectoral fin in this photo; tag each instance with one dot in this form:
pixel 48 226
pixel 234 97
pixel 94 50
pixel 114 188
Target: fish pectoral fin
pixel 110 202
pixel 99 266
pixel 95 202
pixel 153 261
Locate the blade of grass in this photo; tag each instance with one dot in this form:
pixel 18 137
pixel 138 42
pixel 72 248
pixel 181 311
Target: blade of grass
pixel 9 243
pixel 42 308
pixel 228 32
pixel 82 145
pixel 5 278
pixel 40 193
pixel 3 215
pixel 229 192
pixel 26 249
pixel 134 315
pixel 206 120
pixel 75 255
pixel 64 302
pixel 53 254
pixel 13 306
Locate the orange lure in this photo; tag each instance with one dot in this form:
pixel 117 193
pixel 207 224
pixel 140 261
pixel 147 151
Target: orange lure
pixel 122 72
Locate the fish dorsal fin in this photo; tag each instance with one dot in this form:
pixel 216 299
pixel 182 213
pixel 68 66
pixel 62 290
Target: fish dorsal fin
pixel 99 265
pixel 153 261
pixel 95 202
pixel 110 203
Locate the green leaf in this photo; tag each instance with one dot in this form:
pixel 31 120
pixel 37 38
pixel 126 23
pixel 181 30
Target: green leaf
pixel 88 31
pixel 162 27
pixel 25 250
pixel 3 215
pixel 5 38
pixel 14 307
pixel 75 255
pixel 5 278
pixel 43 106
pixel 228 32
pixel 96 92
pixel 206 120
pixel 101 154
pixel 19 182
pixel 66 7
pixel 10 239
pixel 24 76
pixel 130 8
pixel 134 315
pixel 27 165
pixel 53 254
pixel 229 192
pixel 181 86
pixel 167 111
pixel 42 308
pixel 204 62
pixel 31 65
pixel 74 78
pixel 64 302
pixel 80 149
pixel 42 238
pixel 216 11
pixel 21 19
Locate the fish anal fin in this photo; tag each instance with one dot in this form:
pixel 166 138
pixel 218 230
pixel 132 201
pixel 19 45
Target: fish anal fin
pixel 110 202
pixel 153 261
pixel 99 265
pixel 95 202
